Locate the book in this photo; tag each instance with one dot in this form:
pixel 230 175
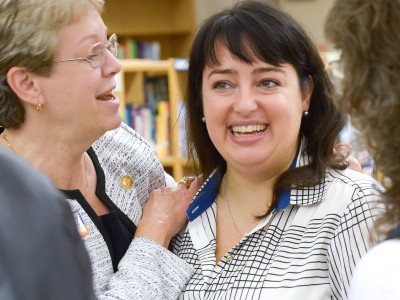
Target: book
pixel 162 129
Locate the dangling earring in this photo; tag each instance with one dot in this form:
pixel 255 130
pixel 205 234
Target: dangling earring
pixel 203 119
pixel 39 107
pixel 305 113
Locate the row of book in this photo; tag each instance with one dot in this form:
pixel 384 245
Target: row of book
pixel 130 48
pixel 151 119
pixel 153 126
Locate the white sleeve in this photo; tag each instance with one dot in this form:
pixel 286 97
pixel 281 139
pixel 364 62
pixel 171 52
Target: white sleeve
pixel 148 271
pixel 377 275
pixel 169 180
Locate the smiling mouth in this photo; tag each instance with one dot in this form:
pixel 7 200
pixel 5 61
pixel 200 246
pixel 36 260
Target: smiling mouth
pixel 246 130
pixel 106 97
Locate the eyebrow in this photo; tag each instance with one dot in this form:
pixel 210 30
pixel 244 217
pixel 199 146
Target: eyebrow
pixel 92 36
pixel 269 69
pixel 221 71
pixel 256 71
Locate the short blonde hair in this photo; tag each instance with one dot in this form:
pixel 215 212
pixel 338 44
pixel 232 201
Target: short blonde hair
pixel 29 38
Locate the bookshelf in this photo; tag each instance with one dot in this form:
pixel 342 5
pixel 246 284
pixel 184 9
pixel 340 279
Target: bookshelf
pixel 132 91
pixel 171 25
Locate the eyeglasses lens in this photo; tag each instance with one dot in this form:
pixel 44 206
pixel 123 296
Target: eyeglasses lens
pixel 98 51
pixel 112 44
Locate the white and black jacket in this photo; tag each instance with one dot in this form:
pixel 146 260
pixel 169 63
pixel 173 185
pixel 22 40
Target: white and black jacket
pixel 148 270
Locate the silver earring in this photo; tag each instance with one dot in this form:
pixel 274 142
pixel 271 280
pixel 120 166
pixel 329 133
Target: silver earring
pixel 203 119
pixel 305 113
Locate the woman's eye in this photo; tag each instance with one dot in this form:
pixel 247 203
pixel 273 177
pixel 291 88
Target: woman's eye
pixel 268 83
pixel 221 85
pixel 96 53
pixel 91 57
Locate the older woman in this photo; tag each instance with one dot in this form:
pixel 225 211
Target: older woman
pixel 58 112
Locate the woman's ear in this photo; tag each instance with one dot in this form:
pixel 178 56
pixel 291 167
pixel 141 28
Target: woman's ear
pixel 24 85
pixel 307 93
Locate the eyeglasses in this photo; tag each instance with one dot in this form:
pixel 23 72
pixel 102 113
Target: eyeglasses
pixel 97 53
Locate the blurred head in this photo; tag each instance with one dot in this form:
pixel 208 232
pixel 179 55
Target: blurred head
pixel 254 31
pixel 34 35
pixel 367 33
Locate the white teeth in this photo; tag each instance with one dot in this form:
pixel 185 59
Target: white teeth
pixel 106 97
pixel 248 128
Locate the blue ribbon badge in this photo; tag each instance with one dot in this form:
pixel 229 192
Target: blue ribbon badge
pixel 80 225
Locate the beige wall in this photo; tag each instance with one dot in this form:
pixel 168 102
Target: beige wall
pixel 310 13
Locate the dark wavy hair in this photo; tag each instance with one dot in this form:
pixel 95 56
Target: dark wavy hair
pixel 367 32
pixel 276 38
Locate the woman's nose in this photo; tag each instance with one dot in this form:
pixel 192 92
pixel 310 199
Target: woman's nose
pixel 112 65
pixel 245 102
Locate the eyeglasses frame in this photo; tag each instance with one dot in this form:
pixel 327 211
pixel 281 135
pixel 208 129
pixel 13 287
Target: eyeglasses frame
pixel 112 41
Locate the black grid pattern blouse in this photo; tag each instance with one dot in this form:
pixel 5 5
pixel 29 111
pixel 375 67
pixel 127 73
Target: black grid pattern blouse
pixel 308 250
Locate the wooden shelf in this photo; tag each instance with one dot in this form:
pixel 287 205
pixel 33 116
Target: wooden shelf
pixel 172 24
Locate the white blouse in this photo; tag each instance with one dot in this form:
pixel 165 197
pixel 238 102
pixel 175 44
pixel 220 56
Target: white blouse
pixel 306 249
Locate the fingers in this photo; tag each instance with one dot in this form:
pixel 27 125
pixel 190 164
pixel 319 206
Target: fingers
pixel 195 186
pixel 354 164
pixel 187 180
pixel 164 214
pixel 176 196
pixel 342 148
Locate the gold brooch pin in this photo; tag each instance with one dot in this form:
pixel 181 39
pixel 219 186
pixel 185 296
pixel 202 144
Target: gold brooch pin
pixel 126 182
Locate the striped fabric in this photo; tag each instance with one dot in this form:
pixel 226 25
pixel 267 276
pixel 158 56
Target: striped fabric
pixel 306 251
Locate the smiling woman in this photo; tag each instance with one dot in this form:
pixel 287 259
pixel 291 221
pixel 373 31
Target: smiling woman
pixel 279 215
pixel 58 111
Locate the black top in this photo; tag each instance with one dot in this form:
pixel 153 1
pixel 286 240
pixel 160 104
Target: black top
pixel 120 236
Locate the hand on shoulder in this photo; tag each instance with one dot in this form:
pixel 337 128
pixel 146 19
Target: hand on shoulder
pixel 164 215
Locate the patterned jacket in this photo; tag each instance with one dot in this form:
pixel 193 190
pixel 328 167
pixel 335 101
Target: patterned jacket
pixel 127 171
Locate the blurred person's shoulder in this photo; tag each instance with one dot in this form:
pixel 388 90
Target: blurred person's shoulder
pixel 378 273
pixel 38 238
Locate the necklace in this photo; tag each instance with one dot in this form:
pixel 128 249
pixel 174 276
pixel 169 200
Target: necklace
pixel 4 136
pixel 86 175
pixel 229 210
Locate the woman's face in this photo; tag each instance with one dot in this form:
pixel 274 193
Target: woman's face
pixel 253 113
pixel 77 97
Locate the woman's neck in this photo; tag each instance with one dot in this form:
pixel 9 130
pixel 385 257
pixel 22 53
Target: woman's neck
pixel 251 196
pixel 59 160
